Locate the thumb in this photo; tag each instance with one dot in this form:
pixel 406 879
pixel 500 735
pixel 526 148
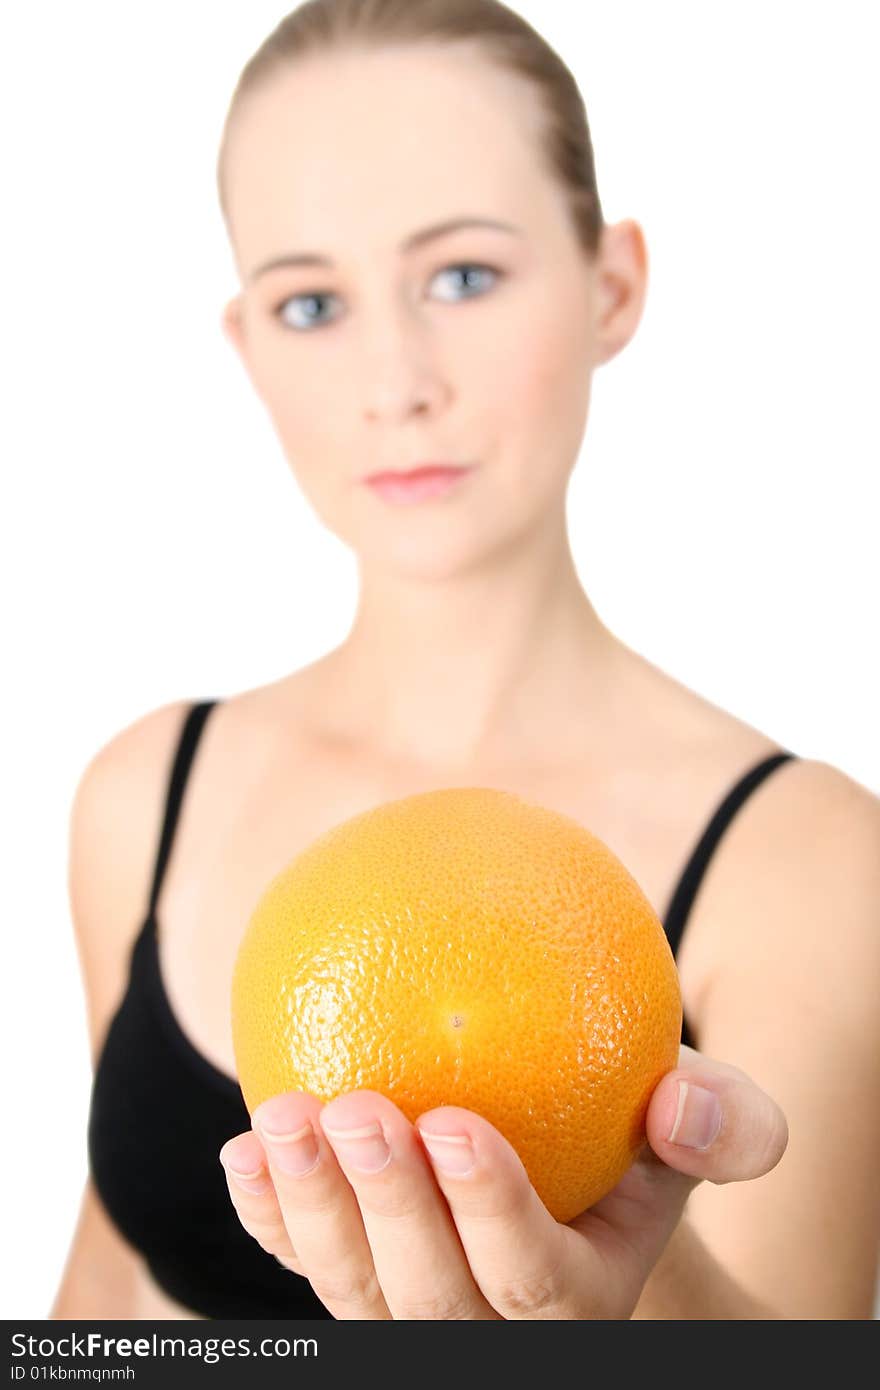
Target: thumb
pixel 710 1121
pixel 706 1120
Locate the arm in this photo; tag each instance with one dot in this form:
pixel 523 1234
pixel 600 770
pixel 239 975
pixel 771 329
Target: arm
pixel 102 1275
pixel 689 1282
pixel 112 827
pixel 795 903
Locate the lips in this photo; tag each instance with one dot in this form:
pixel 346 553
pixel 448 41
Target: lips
pixel 417 484
pixel 425 470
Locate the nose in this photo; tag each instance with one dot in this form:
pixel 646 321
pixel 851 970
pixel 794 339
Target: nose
pixel 401 373
pixel 388 402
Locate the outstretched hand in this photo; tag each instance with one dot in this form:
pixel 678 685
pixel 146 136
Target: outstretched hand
pixel 438 1220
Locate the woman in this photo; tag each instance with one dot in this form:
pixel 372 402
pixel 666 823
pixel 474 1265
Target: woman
pixel 426 278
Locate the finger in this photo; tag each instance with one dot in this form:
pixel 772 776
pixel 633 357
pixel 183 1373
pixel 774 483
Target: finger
pixel 254 1199
pixel 525 1262
pixel 710 1121
pixel 318 1207
pixel 417 1254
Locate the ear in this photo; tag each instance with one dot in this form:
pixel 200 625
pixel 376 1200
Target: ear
pixel 233 327
pixel 621 286
pixel 232 323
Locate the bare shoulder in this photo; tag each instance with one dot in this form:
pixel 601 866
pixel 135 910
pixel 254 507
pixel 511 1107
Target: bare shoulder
pixel 822 874
pixel 121 785
pixel 136 742
pixel 808 822
pixel 797 874
pixel 113 834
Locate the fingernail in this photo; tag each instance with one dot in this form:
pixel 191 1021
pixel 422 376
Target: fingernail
pixel 698 1118
pixel 364 1149
pixel 295 1153
pixel 257 1181
pixel 452 1153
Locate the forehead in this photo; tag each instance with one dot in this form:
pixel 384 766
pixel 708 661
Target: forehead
pixel 354 150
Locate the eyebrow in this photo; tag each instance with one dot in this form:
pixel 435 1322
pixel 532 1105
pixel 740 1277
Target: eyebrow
pixel 410 243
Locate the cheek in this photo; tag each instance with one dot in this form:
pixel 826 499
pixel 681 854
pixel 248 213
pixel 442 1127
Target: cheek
pixel 544 384
pixel 303 403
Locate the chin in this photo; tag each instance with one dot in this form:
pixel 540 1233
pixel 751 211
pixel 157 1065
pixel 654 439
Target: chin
pixel 421 557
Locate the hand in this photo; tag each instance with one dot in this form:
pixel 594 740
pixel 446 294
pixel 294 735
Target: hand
pixel 394 1224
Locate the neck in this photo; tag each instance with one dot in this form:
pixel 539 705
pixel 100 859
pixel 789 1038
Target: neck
pixel 494 666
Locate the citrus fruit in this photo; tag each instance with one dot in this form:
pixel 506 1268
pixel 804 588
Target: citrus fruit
pixel 466 947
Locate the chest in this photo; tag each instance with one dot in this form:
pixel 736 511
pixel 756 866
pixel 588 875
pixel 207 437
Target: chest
pixel 227 849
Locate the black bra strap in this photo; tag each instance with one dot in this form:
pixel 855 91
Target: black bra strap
pixel 689 883
pixel 186 747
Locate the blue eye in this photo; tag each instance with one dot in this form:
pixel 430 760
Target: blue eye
pixel 472 274
pixel 302 299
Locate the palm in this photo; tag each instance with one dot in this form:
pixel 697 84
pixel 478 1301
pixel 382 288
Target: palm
pixel 630 1225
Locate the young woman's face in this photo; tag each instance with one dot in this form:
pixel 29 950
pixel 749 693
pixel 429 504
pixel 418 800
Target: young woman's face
pixel 471 347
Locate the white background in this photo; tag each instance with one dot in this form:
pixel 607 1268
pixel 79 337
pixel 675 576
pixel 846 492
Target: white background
pixel 156 547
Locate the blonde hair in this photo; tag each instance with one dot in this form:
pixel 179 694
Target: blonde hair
pixel 501 35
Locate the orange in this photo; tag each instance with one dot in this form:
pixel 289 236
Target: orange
pixel 467 947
